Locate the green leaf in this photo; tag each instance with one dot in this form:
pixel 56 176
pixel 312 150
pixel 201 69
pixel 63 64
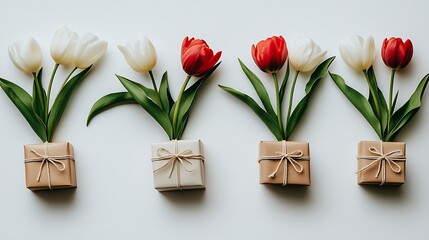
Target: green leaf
pixel 62 100
pixel 264 116
pixel 109 101
pixel 284 83
pixel 23 101
pixel 394 101
pixel 150 93
pixel 182 125
pixel 140 96
pixel 382 104
pixel 165 95
pixel 188 99
pixel 39 97
pixel 404 114
pixel 318 74
pixel 300 108
pixel 360 103
pixel 260 90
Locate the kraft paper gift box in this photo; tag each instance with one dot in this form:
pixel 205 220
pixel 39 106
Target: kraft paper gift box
pixel 381 163
pixel 284 163
pixel 178 165
pixel 49 166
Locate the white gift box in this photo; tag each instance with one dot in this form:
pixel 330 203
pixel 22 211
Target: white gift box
pixel 178 165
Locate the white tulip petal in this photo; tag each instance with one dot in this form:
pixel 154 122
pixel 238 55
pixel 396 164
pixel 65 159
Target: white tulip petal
pixel 314 61
pixel 128 57
pixel 88 50
pixel 62 45
pixel 27 56
pixel 348 58
pixel 358 53
pixel 34 55
pixel 91 54
pixel 140 55
pixel 369 51
pixel 15 58
pixel 305 54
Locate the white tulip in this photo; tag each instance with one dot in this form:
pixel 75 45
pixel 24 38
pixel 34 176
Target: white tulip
pixel 62 46
pixel 27 56
pixel 88 50
pixel 140 55
pixel 358 53
pixel 305 55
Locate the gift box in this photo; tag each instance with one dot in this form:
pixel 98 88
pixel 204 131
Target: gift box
pixel 49 166
pixel 381 163
pixel 178 165
pixel 284 163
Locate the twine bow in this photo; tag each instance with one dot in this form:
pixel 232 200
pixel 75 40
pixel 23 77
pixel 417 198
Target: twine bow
pixel 45 158
pixel 382 158
pixel 176 158
pixel 291 158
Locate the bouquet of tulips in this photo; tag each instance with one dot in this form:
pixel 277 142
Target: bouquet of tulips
pixel 67 48
pixel 270 55
pixel 177 164
pixel 380 162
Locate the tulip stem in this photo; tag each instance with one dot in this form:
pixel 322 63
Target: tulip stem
pixel 153 81
pixel 392 79
pixel 372 92
pixel 36 81
pixel 176 109
pixel 67 78
pixel 292 90
pixel 279 111
pixel 51 80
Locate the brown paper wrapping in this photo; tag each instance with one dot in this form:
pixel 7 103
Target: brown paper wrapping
pixel 34 155
pixel 369 175
pixel 267 167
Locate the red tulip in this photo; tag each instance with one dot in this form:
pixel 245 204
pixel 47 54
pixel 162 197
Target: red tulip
pixel 395 53
pixel 198 57
pixel 270 54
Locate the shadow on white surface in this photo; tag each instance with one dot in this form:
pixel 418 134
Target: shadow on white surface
pixel 185 198
pixel 56 198
pixel 295 194
pixel 385 193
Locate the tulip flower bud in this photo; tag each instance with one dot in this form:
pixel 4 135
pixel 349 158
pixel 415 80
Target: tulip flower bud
pixel 62 46
pixel 198 57
pixel 88 50
pixel 358 53
pixel 395 53
pixel 305 55
pixel 140 55
pixel 270 54
pixel 27 56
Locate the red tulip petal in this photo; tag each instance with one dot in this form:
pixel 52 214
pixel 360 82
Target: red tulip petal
pixel 185 45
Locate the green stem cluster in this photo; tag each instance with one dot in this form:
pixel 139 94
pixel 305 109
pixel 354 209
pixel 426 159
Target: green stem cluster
pixel 48 96
pixel 179 100
pixel 153 81
pixel 48 93
pixel 390 110
pixel 278 102
pixel 279 110
pixel 373 94
pixel 67 78
pixel 292 90
pixel 177 106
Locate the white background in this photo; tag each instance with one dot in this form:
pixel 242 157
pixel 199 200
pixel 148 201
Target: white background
pixel 115 198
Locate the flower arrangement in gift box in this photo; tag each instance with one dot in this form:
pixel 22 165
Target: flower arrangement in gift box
pixel 50 165
pixel 283 162
pixel 381 162
pixel 178 164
